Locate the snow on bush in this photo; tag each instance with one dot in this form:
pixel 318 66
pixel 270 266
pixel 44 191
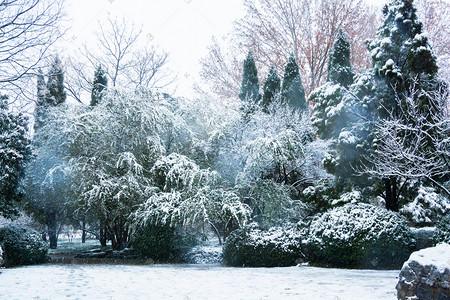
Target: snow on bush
pixel 204 255
pixel 443 230
pixel 253 247
pixel 22 246
pixel 361 236
pixel 427 208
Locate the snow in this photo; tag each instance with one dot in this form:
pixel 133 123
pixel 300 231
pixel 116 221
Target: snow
pixel 194 282
pixel 438 256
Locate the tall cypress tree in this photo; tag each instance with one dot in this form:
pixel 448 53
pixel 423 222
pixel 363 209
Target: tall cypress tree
pixel 271 87
pixel 99 86
pixel 40 103
pixel 55 93
pixel 340 70
pixel 292 91
pixel 249 86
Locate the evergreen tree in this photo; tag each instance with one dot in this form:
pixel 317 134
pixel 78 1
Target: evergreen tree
pixel 40 103
pixel 404 69
pixel 292 90
pixel 249 86
pixel 340 70
pixel 14 152
pixel 55 93
pixel 99 85
pixel 271 87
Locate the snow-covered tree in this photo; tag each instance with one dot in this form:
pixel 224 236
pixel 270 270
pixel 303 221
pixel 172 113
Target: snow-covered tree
pixel 55 93
pixel 190 195
pixel 340 70
pixel 249 93
pixel 271 87
pixel 14 152
pixel 41 90
pixel 99 85
pixel 292 91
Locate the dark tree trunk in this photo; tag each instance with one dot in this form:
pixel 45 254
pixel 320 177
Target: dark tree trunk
pixel 52 229
pixel 391 194
pixel 83 232
pixel 102 235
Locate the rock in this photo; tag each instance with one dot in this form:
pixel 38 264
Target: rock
pixel 426 275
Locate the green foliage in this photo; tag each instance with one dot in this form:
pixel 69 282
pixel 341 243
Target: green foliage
pixel 271 87
pixel 15 150
pixel 55 93
pixel 250 86
pixel 252 247
pixel 340 70
pixel 292 91
pixel 158 242
pixel 359 236
pixel 443 230
pixel 99 85
pixel 22 246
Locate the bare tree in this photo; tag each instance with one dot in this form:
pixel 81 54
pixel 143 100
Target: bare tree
pixel 273 29
pixel 121 50
pixel 414 144
pixel 28 28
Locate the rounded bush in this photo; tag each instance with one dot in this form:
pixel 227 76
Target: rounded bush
pixel 359 236
pixel 22 246
pixel 252 247
pixel 157 242
pixel 443 230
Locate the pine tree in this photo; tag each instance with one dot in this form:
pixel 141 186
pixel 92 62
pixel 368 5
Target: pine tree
pixel 14 152
pixel 249 87
pixel 340 70
pixel 292 91
pixel 99 86
pixel 55 93
pixel 40 103
pixel 271 87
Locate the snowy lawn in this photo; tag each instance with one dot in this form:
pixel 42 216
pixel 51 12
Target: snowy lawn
pixel 194 282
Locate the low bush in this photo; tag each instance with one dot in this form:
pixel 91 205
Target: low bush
pixel 22 246
pixel 253 247
pixel 443 230
pixel 359 236
pixel 162 243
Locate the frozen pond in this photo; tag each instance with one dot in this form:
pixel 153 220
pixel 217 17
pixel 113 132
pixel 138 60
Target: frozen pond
pixel 193 282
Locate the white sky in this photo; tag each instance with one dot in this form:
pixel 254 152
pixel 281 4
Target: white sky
pixel 183 28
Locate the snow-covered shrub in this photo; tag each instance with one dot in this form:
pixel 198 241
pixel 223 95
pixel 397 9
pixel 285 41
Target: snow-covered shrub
pixel 253 247
pixel 204 255
pixel 427 208
pixel 443 230
pixel 359 236
pixel 191 195
pixel 22 246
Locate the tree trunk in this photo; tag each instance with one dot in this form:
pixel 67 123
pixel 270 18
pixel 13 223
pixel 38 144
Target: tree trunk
pixel 52 228
pixel 83 232
pixel 102 235
pixel 391 195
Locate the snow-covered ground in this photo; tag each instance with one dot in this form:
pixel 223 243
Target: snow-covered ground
pixel 194 282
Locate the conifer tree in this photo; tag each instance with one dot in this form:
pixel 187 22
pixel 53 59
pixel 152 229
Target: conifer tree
pixel 55 93
pixel 99 86
pixel 250 86
pixel 271 87
pixel 292 91
pixel 40 103
pixel 340 70
pixel 14 152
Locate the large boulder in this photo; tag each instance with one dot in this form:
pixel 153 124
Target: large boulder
pixel 253 247
pixel 426 275
pixel 359 236
pixel 22 246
